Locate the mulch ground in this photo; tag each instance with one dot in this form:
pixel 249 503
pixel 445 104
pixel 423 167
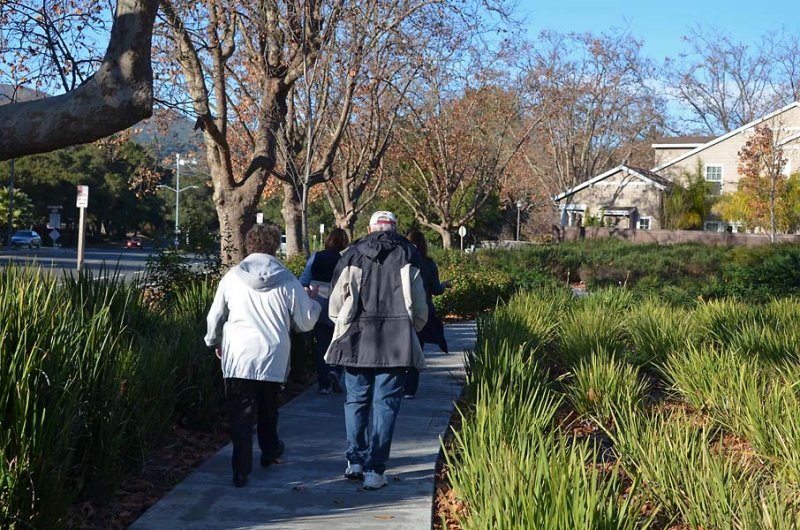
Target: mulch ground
pixel 165 466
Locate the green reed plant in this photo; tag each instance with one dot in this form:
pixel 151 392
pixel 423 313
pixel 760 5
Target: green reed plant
pixel 719 321
pixel 542 483
pixel 602 383
pixel 709 377
pixel 757 401
pixel 655 329
pixel 511 471
pixel 594 324
pixel 693 482
pixel 88 381
pixel 62 393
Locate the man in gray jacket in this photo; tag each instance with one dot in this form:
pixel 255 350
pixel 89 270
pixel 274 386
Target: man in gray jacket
pixel 378 305
pixel 256 304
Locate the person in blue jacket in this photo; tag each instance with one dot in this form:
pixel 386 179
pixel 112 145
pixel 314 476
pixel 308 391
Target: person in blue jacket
pixel 433 332
pixel 317 276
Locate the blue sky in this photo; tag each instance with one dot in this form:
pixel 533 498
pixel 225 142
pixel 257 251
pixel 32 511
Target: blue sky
pixel 662 24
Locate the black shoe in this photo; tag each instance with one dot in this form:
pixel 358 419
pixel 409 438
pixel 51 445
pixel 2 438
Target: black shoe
pixel 239 480
pixel 267 459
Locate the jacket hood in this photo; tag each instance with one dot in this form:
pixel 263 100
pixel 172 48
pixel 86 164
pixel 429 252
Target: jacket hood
pixel 262 272
pixel 378 243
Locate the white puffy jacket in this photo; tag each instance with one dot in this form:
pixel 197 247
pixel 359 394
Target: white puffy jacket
pixel 256 304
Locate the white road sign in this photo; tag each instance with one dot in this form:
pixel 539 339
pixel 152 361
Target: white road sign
pixel 462 231
pixel 83 196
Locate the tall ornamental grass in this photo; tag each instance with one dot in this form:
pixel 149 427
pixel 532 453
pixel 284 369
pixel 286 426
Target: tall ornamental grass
pixel 602 383
pixel 506 463
pixel 595 323
pixel 89 378
pixel 655 329
pixel 693 481
pixel 757 401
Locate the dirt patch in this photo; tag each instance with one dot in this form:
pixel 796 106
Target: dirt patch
pixel 163 468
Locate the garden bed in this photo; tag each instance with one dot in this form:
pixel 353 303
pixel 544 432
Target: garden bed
pixel 612 412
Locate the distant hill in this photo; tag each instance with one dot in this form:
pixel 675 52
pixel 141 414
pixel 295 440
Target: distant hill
pixel 166 133
pixel 7 94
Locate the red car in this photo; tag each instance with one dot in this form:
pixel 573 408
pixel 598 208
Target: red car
pixel 133 242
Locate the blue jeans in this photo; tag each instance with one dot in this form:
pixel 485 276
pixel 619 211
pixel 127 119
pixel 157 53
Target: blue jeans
pixel 373 400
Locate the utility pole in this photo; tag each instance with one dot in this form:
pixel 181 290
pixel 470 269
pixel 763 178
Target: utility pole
pixel 10 204
pixel 177 190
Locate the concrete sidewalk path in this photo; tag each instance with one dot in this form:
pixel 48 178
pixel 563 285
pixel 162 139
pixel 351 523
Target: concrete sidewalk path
pixel 307 489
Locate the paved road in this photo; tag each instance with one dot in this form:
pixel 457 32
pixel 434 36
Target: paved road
pixel 99 261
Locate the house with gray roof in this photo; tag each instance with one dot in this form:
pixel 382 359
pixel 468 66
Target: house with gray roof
pixel 628 197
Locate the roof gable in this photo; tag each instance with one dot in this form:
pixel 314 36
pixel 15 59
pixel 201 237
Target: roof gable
pixel 642 174
pixel 725 136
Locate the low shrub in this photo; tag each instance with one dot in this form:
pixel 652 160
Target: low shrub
pixel 471 291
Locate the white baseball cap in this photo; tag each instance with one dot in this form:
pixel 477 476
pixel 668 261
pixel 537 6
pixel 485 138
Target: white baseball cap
pixel 381 218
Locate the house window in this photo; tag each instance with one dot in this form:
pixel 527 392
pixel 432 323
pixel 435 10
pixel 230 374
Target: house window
pixel 644 223
pixel 711 227
pixel 714 176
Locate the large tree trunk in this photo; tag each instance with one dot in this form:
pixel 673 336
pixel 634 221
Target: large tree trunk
pixel 447 239
pixel 347 222
pixel 236 211
pixel 118 95
pixel 293 219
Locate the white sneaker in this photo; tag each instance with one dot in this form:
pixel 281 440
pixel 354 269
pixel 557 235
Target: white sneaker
pixel 374 481
pixel 354 471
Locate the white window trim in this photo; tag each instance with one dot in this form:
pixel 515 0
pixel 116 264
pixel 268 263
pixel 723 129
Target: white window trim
pixel 649 222
pixel 721 172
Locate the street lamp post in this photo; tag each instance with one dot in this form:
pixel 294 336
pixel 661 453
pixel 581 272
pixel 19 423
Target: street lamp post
pixel 520 204
pixel 177 190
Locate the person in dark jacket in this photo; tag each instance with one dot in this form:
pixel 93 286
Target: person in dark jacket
pixel 377 305
pixel 433 332
pixel 318 275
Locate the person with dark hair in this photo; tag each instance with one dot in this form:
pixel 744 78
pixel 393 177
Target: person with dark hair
pixel 256 304
pixel 377 303
pixel 317 275
pixel 433 332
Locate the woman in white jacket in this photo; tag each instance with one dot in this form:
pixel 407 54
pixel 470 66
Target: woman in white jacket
pixel 256 304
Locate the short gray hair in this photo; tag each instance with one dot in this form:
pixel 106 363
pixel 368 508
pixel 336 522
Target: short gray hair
pixel 263 239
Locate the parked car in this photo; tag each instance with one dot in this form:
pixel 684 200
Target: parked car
pixel 133 242
pixel 26 238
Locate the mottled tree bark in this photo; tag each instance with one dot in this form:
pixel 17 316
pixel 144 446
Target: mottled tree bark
pixel 118 95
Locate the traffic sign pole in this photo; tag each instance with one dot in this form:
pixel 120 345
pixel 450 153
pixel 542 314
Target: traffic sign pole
pixel 82 203
pixel 462 231
pixel 81 239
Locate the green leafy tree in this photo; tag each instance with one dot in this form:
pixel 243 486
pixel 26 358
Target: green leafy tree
pixel 685 207
pixel 23 210
pixel 109 169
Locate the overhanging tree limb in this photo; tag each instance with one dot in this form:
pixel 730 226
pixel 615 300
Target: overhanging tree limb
pixel 117 96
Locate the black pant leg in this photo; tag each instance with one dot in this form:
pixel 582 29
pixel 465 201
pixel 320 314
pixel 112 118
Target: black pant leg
pixel 267 396
pixel 240 400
